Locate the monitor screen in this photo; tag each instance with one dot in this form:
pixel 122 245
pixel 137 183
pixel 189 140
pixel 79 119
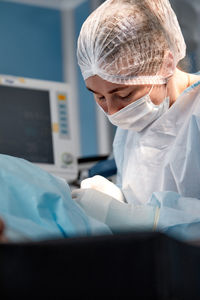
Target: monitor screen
pixel 25 124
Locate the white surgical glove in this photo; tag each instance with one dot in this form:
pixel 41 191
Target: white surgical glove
pixel 115 214
pixel 94 203
pixel 101 184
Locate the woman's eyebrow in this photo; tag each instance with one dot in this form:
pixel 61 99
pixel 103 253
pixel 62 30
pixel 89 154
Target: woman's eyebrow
pixel 91 90
pixel 109 92
pixel 117 89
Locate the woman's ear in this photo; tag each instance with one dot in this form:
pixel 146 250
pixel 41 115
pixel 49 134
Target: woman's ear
pixel 168 66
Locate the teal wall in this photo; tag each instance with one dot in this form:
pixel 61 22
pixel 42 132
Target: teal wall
pixel 87 104
pixel 31 46
pixel 30 41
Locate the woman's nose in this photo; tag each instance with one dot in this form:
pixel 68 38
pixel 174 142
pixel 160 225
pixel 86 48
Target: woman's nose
pixel 112 107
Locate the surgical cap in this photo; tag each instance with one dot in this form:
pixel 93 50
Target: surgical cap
pixel 131 42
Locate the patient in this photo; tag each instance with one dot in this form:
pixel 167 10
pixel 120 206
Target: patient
pixel 2 237
pixel 35 205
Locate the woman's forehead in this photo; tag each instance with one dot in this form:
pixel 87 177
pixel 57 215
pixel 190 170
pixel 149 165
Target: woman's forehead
pixel 96 84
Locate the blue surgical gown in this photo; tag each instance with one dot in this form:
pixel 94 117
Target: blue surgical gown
pixel 160 166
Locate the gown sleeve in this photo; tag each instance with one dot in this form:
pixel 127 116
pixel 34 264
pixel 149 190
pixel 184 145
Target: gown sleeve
pixel 177 216
pixel 167 212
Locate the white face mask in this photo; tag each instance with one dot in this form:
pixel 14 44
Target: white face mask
pixel 139 114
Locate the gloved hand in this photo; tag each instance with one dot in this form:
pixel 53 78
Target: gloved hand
pixel 103 185
pixel 93 202
pixel 115 214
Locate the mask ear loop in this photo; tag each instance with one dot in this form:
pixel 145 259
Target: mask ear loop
pixel 166 96
pixel 167 79
pixel 166 92
pixel 151 89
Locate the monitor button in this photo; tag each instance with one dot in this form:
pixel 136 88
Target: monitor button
pixel 67 158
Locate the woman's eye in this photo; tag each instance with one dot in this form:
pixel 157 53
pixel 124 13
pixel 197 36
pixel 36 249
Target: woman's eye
pixel 101 98
pixel 125 97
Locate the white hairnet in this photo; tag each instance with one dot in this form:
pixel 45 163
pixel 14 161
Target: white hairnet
pixel 131 42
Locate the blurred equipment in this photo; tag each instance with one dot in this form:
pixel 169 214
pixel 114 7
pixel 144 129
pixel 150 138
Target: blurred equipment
pixel 188 14
pixel 38 123
pixel 122 266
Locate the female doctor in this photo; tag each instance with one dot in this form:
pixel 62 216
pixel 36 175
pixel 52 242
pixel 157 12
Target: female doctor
pixel 128 52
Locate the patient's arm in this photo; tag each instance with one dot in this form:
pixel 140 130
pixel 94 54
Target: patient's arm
pixel 2 237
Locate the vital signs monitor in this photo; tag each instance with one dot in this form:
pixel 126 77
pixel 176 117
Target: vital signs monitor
pixel 37 123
